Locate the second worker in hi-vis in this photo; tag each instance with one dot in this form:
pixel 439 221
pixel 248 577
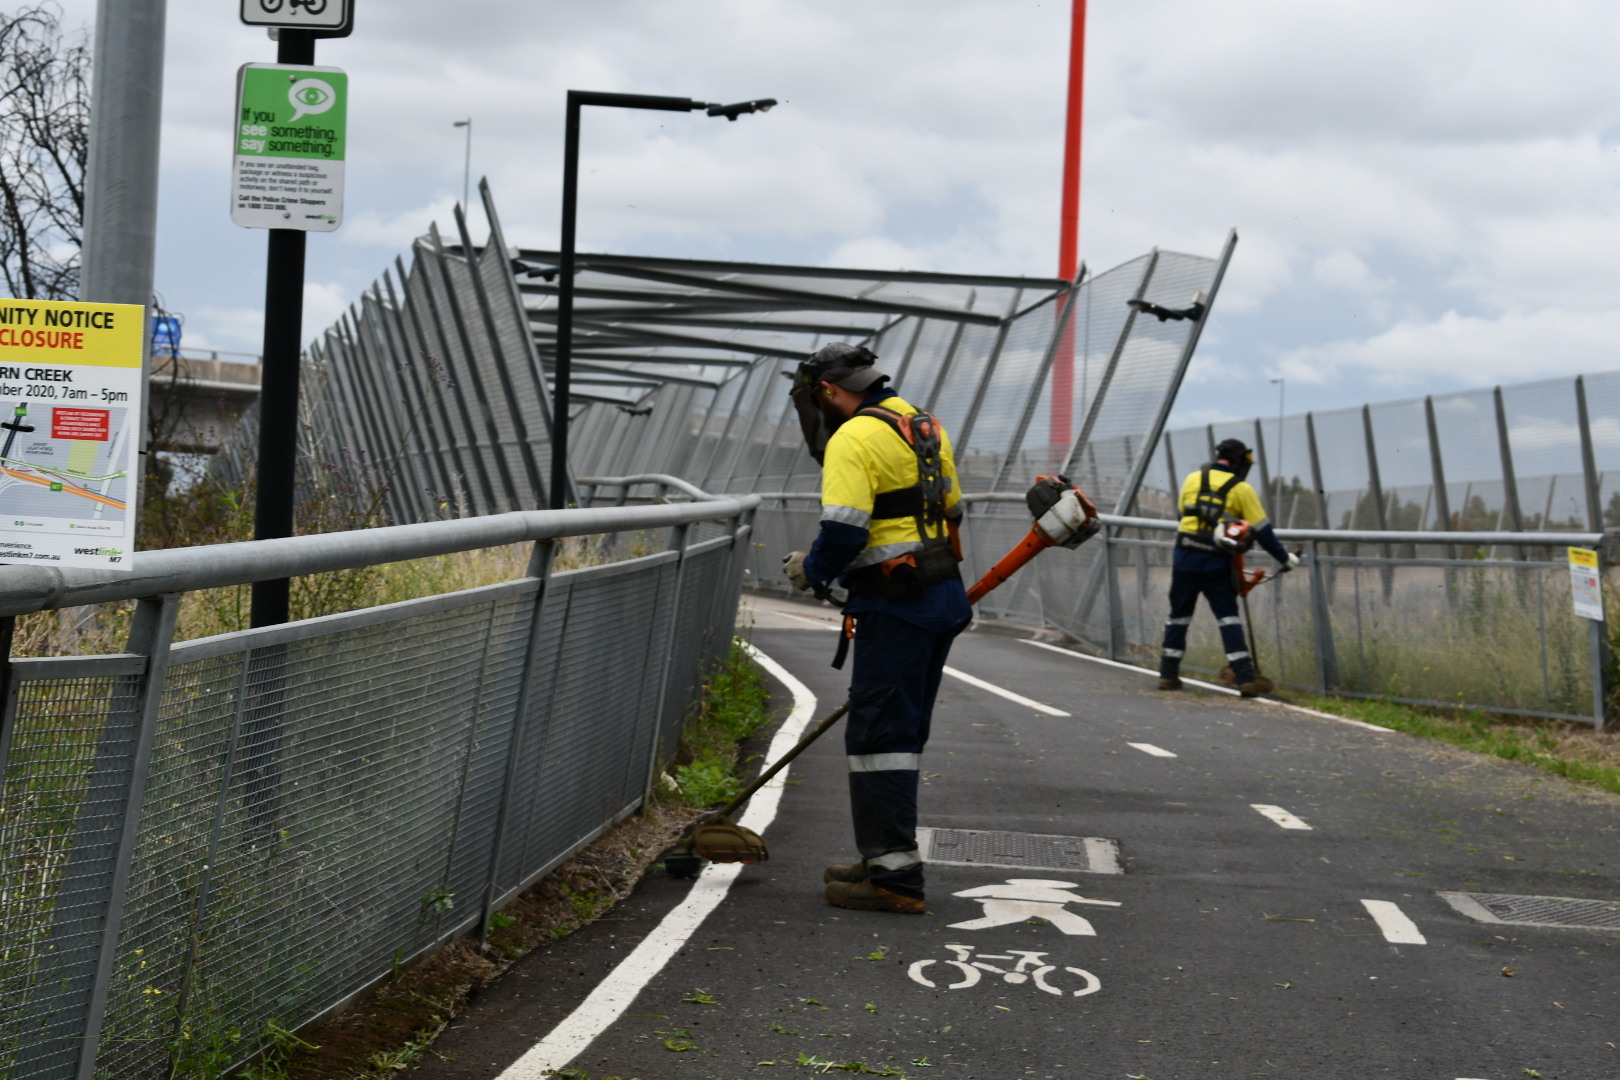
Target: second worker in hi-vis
pixel 889 512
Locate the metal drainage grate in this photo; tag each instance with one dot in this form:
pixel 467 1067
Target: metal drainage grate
pixel 1537 910
pixel 1019 851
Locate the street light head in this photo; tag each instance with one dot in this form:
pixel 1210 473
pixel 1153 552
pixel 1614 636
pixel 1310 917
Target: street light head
pixel 463 123
pixel 731 112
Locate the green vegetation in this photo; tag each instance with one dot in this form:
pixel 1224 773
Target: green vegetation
pixel 734 705
pixel 1554 746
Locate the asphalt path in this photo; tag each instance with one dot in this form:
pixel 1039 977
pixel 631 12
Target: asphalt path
pixel 1238 947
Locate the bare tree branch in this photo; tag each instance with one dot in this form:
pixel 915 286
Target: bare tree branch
pixel 44 145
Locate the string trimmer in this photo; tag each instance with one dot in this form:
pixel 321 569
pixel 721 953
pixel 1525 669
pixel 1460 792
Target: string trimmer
pixel 1064 517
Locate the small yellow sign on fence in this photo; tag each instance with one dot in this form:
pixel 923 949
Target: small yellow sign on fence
pixel 1585 586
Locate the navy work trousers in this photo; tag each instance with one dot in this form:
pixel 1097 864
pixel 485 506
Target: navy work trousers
pixel 1220 590
pixel 898 666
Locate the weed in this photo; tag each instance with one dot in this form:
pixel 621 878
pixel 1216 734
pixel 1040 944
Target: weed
pixel 734 705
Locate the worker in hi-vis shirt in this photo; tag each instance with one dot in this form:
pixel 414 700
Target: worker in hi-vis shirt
pixel 889 511
pixel 1216 505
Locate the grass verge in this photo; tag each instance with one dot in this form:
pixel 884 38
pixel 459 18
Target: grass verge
pixel 395 1024
pixel 1555 746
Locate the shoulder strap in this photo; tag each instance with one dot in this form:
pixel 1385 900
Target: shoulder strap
pixel 919 431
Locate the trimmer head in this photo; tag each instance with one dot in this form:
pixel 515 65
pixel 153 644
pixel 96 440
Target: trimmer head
pixel 719 840
pixel 723 841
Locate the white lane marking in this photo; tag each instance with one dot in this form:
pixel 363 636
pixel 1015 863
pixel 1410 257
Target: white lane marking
pixel 1394 923
pixel 1028 703
pixel 1210 686
pixel 1149 749
pixel 1279 815
pixel 819 624
pixel 614 994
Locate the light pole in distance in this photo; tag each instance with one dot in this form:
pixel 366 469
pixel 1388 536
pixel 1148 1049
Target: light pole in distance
pixel 466 167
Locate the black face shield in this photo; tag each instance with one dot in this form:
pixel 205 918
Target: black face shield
pixel 1236 455
pixel 849 366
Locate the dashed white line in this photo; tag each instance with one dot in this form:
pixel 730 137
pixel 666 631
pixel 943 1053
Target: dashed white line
pixel 1151 750
pixel 1279 815
pixel 1394 923
pixel 1028 703
pixel 614 994
pixel 819 624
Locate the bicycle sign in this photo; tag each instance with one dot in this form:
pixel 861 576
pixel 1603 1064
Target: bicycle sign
pixel 298 14
pixel 1030 967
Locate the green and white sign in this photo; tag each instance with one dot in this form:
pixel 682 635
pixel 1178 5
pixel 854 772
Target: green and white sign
pixel 291 125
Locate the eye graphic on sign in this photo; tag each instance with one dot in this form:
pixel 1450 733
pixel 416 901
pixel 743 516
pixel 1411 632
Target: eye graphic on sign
pixel 310 96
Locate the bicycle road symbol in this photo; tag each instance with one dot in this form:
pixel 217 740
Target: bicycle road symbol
pixel 314 7
pixel 1031 968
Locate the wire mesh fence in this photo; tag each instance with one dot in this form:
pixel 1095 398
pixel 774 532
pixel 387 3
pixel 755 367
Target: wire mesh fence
pixel 201 839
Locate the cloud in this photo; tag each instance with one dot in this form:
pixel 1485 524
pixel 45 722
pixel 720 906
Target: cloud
pixel 1466 350
pixel 1419 208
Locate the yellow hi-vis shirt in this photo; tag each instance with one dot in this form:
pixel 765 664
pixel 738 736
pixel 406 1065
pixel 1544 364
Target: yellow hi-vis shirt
pixel 1241 501
pixel 866 456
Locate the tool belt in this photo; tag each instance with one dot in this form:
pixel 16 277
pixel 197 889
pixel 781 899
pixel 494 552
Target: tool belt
pixel 908 576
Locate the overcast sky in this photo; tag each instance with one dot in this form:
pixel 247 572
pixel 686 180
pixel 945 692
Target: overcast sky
pixel 1425 193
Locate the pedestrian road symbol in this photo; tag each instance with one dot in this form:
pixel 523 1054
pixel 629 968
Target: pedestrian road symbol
pixel 1021 899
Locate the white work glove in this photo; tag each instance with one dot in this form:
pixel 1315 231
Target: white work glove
pixel 1293 561
pixel 793 567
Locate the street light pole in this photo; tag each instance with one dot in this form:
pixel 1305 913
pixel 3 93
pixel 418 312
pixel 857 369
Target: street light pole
pixel 466 168
pixel 563 370
pixel 1282 484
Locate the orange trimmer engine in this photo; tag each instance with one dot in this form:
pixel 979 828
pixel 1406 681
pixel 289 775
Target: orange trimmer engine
pixel 1064 517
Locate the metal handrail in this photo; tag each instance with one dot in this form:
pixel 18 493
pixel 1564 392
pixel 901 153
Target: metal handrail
pixel 1338 536
pixel 26 589
pixel 684 486
pixel 1377 536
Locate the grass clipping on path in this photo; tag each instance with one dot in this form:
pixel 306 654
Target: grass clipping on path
pixel 1570 750
pixel 396 1024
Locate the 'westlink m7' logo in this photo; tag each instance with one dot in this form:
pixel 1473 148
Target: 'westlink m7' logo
pixel 96 551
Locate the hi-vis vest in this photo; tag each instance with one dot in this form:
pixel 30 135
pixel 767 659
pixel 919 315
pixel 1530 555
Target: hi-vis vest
pixel 1208 495
pixel 865 478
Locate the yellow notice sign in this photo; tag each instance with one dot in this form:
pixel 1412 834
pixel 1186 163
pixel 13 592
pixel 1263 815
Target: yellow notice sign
pixel 70 413
pixel 1585 584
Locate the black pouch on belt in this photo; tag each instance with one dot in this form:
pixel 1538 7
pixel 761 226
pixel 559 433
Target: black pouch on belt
pixel 907 577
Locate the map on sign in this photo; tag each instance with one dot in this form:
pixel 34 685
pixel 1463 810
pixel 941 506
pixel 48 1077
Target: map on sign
pixel 291 125
pixel 70 410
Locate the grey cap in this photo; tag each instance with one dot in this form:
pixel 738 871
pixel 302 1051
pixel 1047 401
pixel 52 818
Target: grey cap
pixel 848 366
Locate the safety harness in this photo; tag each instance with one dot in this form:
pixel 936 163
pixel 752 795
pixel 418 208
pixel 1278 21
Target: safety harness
pixel 1209 507
pixel 908 576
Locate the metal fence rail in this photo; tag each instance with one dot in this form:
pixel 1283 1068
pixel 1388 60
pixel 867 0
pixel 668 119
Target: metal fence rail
pixel 200 837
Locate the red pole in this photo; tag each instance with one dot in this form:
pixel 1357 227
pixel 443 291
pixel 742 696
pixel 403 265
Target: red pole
pixel 1069 234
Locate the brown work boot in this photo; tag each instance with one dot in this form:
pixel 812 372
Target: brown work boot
pixel 847 874
pixel 865 896
pixel 1228 676
pixel 1172 683
pixel 1260 685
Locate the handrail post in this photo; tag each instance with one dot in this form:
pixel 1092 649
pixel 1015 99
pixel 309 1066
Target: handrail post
pixel 151 634
pixel 540 560
pixel 677 541
pixel 1327 668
